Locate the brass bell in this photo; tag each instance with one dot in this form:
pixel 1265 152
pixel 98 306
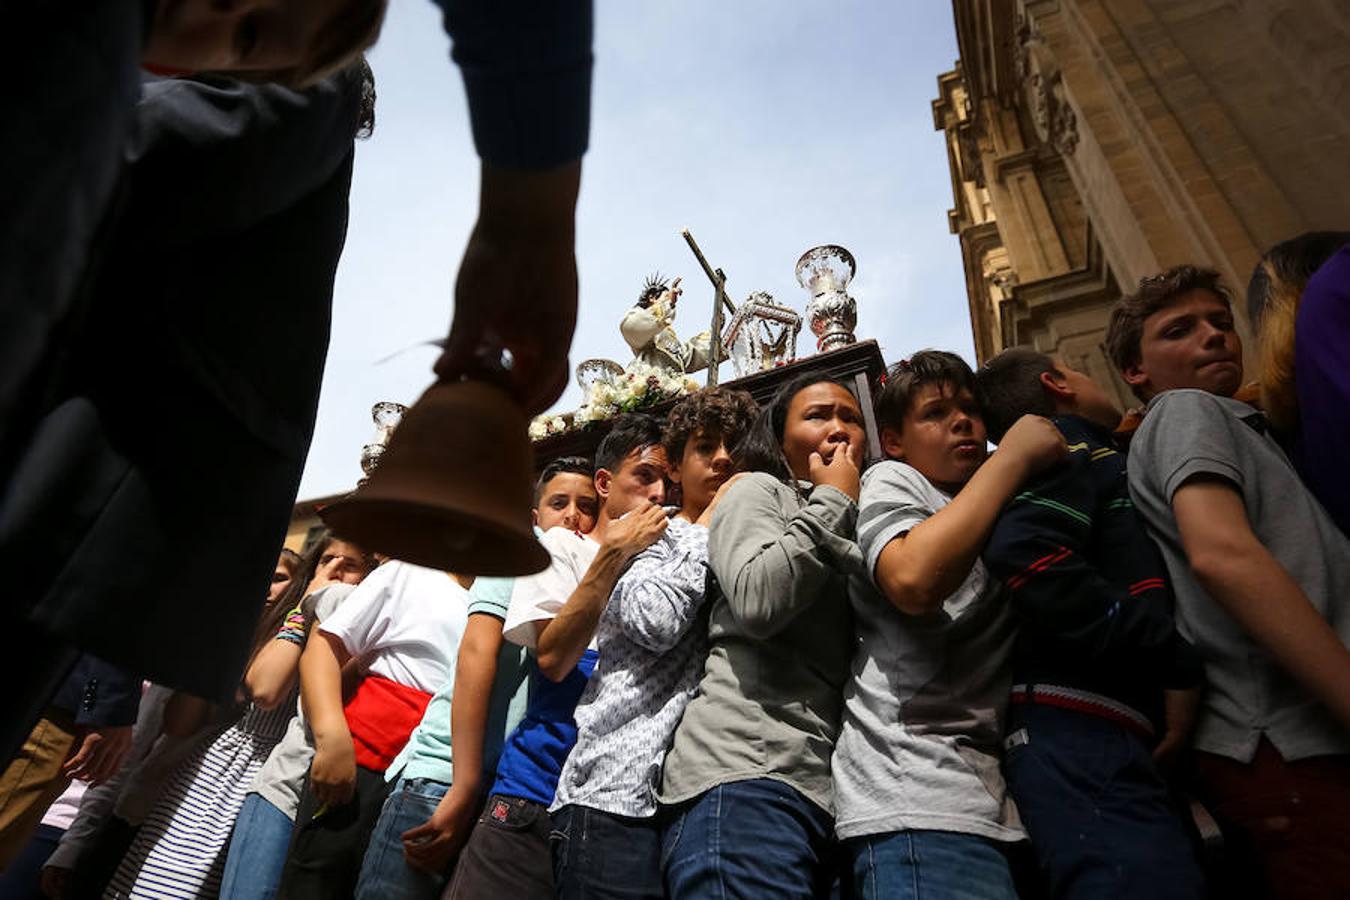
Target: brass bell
pixel 454 488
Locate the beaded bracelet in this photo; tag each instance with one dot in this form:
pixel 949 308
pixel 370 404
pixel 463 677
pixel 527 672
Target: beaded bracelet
pixel 293 629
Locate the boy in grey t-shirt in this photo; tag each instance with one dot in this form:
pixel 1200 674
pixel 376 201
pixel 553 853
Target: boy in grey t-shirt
pixel 1262 581
pixel 916 766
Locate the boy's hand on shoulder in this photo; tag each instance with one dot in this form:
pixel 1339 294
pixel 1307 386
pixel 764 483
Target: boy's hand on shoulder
pixel 1034 444
pixel 841 472
pixel 706 517
pixel 637 530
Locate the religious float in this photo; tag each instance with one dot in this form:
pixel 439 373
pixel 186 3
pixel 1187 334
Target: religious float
pixel 758 336
pixel 430 498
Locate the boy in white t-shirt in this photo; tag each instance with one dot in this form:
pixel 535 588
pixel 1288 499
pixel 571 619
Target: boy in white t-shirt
pixel 438 783
pixel 403 626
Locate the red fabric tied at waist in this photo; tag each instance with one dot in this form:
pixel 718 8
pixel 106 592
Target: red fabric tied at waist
pixel 381 716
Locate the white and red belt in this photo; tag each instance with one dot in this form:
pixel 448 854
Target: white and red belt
pixel 1082 701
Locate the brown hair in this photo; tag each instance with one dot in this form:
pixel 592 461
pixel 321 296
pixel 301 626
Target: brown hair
pixel 719 411
pixel 1273 295
pixel 1009 387
pixel 1125 330
pixel 906 377
pixel 273 616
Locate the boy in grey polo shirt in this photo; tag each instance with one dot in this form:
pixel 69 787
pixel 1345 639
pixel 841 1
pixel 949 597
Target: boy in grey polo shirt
pixel 1262 581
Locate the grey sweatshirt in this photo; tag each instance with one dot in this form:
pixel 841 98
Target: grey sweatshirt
pixel 781 638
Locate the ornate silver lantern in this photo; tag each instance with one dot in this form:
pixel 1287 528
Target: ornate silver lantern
pixel 386 415
pixel 825 272
pixel 761 335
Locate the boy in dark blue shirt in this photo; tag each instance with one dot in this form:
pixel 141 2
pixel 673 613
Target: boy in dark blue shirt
pixel 1103 685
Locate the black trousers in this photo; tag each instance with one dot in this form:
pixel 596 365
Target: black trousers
pixel 324 860
pixel 507 854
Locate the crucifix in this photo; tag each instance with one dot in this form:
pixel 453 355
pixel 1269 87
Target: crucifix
pixel 720 301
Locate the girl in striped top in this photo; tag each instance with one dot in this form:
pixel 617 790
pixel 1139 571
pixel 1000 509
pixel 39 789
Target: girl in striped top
pixel 180 850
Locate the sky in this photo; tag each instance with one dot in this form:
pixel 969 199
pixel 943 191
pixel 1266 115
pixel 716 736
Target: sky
pixel 766 127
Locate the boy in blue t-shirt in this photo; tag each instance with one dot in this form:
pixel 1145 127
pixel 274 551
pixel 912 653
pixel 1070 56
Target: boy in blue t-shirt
pixel 554 613
pixel 437 792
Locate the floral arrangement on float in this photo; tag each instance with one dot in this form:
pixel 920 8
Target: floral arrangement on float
pixel 610 390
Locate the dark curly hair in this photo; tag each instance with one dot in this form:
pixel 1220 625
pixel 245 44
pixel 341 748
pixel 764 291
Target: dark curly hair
pixel 906 377
pixel 714 411
pixel 1125 330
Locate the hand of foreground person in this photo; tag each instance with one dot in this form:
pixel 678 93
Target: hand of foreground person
pixel 841 472
pixel 637 530
pixel 431 845
pixel 1034 443
pixel 332 774
pixel 517 284
pixel 100 754
pixel 706 517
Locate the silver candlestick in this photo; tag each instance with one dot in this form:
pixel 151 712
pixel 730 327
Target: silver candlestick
pixel 386 414
pixel 825 272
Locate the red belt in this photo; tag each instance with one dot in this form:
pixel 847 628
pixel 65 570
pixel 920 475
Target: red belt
pixel 381 716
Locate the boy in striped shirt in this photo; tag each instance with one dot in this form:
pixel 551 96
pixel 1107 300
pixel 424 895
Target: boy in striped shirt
pixel 1104 688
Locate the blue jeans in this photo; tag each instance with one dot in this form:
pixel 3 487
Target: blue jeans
pixel 385 874
pixel 600 855
pixel 928 865
pixel 20 879
pixel 749 839
pixel 257 854
pixel 1099 815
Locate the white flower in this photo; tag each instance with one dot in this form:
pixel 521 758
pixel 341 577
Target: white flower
pixel 538 428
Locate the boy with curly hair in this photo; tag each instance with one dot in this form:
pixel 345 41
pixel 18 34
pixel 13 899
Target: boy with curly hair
pixel 652 638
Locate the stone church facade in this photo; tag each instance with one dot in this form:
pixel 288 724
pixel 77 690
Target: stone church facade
pixel 1094 142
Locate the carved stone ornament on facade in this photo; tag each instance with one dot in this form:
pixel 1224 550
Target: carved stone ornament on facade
pixel 1063 121
pixel 1022 35
pixel 1051 112
pixel 1004 280
pixel 971 167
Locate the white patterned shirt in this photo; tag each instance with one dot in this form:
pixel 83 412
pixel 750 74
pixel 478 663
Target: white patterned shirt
pixel 652 642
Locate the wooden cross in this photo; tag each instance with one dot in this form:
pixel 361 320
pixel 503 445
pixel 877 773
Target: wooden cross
pixel 720 300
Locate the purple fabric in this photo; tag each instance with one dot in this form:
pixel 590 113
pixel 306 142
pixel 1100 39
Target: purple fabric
pixel 1322 376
